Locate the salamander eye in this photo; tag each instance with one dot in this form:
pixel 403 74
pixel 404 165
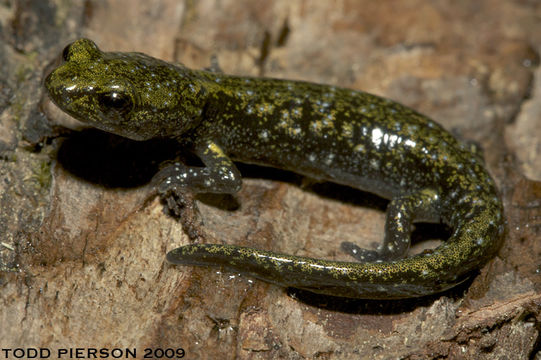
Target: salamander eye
pixel 117 102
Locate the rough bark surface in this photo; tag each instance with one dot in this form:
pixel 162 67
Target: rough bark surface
pixel 82 250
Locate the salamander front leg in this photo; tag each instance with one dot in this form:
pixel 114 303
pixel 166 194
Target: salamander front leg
pixel 402 212
pixel 178 184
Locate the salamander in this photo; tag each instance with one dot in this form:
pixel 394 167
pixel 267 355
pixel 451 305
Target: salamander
pixel 324 132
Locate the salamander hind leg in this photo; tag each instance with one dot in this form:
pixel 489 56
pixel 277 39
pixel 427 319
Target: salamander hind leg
pixel 402 212
pixel 360 254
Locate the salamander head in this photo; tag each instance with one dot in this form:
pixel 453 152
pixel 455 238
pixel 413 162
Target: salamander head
pixel 128 94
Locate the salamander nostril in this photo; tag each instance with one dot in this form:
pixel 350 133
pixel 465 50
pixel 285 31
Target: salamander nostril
pixel 66 53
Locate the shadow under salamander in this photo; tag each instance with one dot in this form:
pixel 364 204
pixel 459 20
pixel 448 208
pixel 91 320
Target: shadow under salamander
pixel 113 161
pixel 375 307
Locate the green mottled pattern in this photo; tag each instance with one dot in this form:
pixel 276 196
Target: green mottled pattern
pixel 325 132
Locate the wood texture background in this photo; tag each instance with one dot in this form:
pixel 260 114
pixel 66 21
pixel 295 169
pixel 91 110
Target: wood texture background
pixel 82 251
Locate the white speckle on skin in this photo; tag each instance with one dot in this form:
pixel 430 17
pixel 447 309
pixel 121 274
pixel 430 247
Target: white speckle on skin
pixel 410 143
pixel 264 134
pixel 359 148
pixel 329 159
pixel 377 137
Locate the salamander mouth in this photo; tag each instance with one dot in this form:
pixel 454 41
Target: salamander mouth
pixel 115 129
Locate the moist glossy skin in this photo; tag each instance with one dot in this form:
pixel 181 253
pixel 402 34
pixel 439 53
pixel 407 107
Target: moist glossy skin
pixel 324 132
